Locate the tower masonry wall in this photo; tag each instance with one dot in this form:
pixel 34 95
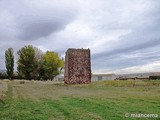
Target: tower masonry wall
pixel 77 66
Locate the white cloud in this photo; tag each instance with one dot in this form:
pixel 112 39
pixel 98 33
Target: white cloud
pixel 151 67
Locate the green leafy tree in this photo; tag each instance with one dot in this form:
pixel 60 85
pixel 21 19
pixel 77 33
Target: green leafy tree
pixel 26 62
pixel 39 71
pixel 52 64
pixel 9 62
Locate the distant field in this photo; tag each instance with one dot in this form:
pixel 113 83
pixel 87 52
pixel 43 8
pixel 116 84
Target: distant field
pixel 100 100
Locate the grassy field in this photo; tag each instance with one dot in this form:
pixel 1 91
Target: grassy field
pixel 101 100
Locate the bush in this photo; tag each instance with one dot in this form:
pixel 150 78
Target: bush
pixel 3 76
pixel 154 77
pixel 17 77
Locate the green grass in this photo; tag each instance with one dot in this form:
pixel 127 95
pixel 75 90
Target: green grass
pixel 101 100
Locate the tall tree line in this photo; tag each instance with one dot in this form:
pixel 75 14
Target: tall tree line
pixel 9 62
pixel 32 63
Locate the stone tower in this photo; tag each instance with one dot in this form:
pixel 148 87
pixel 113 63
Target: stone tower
pixel 77 66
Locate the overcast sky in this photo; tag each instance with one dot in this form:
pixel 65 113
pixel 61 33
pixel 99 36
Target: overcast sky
pixel 123 35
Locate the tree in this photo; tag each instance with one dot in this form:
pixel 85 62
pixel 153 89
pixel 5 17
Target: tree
pixel 52 64
pixel 39 71
pixel 26 62
pixel 9 62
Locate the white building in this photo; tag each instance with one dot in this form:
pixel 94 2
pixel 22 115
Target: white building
pixel 96 77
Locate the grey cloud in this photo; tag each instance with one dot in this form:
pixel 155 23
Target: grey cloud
pixel 120 60
pixel 126 48
pixel 139 41
pixel 35 20
pixel 130 59
pixel 40 28
pixel 143 36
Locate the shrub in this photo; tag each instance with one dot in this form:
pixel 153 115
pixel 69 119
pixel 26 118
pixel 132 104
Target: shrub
pixel 3 76
pixel 154 77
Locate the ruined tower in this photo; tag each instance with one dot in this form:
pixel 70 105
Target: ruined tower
pixel 77 66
